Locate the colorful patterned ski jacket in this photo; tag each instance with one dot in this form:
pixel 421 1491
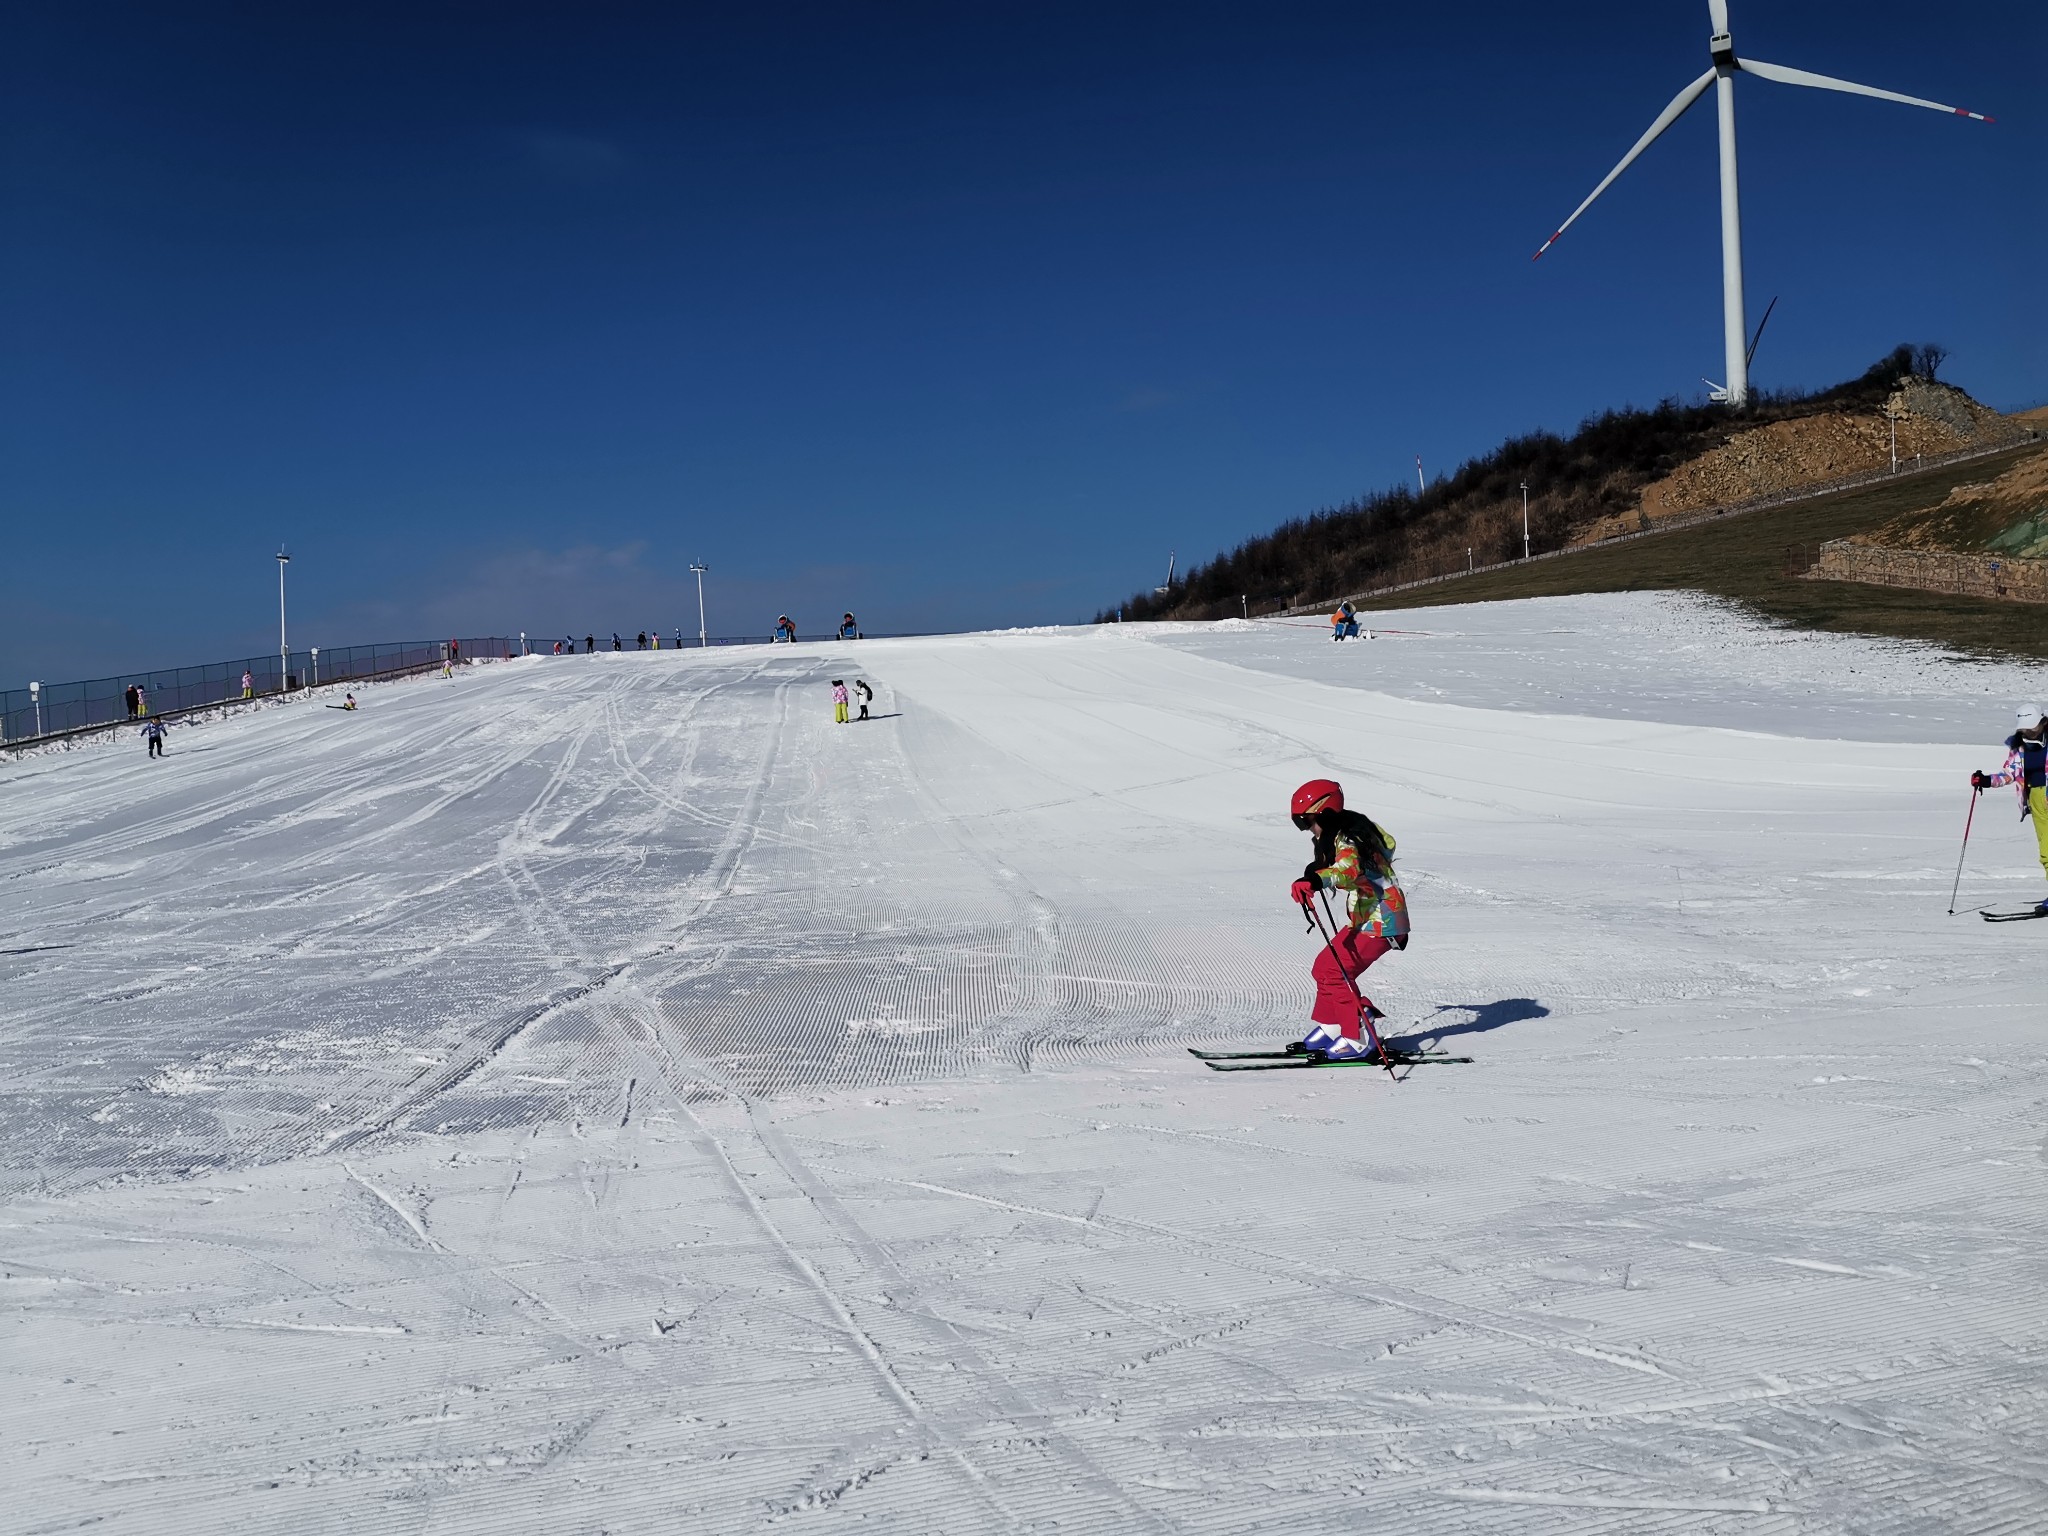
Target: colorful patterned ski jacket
pixel 2026 766
pixel 1378 906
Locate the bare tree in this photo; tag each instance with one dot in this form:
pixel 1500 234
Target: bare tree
pixel 1928 358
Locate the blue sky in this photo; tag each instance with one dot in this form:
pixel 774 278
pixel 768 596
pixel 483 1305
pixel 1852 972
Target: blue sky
pixel 498 315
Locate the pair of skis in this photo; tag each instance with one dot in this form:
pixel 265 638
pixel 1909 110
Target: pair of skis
pixel 1294 1061
pixel 2015 917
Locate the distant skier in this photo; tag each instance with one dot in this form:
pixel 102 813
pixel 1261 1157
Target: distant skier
pixel 141 700
pixel 679 637
pixel 1353 855
pixel 134 698
pixel 785 630
pixel 849 627
pixel 2026 770
pixel 643 639
pixel 590 645
pixel 348 701
pixel 153 733
pixel 617 644
pixel 1344 623
pixel 864 693
pixel 839 701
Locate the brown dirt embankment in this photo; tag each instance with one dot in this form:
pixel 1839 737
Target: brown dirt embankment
pixel 1791 455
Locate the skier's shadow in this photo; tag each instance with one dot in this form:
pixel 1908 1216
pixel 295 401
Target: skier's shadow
pixel 1484 1017
pixel 892 715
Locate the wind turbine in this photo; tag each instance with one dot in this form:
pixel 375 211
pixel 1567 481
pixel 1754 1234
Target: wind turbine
pixel 1721 76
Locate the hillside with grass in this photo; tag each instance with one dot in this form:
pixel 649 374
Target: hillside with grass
pixel 1762 560
pixel 2002 514
pixel 1623 471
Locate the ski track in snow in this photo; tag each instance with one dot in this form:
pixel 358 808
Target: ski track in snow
pixel 601 1094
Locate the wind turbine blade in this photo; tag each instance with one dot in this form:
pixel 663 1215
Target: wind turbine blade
pixel 1717 11
pixel 1784 76
pixel 1665 119
pixel 1750 356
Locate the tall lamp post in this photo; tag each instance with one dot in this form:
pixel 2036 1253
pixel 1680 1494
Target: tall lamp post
pixel 1525 519
pixel 700 568
pixel 284 655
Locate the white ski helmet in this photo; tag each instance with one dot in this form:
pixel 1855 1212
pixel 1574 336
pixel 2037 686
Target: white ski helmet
pixel 2030 716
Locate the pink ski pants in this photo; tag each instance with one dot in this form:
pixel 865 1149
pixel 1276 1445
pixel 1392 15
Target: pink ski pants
pixel 1337 1000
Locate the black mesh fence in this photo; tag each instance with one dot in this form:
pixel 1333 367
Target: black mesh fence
pixel 51 709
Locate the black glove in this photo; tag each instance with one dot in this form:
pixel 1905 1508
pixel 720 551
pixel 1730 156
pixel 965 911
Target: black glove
pixel 1978 781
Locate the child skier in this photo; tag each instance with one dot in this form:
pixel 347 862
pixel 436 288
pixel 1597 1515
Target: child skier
pixel 2026 770
pixel 153 733
pixel 839 701
pixel 1352 854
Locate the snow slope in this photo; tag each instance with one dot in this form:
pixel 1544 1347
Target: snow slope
pixel 600 1094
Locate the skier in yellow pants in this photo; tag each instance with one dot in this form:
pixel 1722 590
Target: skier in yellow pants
pixel 2026 769
pixel 839 701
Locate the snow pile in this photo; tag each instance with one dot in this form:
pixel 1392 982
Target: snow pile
pixel 1676 657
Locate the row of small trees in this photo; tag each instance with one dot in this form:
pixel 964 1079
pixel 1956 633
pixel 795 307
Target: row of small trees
pixel 1386 536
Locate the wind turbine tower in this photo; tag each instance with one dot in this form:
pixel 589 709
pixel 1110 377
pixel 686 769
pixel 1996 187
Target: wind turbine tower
pixel 1721 76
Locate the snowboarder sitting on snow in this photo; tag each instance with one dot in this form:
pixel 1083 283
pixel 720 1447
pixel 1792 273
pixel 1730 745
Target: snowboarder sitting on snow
pixel 2026 770
pixel 839 700
pixel 348 701
pixel 1352 854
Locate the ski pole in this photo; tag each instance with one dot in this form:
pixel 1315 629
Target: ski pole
pixel 1364 1013
pixel 1974 793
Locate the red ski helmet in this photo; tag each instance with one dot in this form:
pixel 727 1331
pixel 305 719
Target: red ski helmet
pixel 1315 797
